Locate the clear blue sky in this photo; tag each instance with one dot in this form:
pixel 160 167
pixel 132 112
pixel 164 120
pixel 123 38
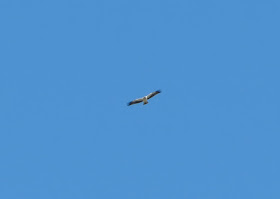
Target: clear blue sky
pixel 68 68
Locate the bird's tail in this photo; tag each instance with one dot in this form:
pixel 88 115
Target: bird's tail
pixel 145 103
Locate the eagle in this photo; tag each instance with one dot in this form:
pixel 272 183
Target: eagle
pixel 144 99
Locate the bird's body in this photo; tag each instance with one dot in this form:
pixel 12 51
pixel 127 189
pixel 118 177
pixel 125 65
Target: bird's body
pixel 144 99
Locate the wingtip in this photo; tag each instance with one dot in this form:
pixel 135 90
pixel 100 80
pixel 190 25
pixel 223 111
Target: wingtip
pixel 159 91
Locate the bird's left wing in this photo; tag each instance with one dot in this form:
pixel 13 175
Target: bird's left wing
pixel 153 94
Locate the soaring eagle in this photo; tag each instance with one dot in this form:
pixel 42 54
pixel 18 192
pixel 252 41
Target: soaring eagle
pixel 144 99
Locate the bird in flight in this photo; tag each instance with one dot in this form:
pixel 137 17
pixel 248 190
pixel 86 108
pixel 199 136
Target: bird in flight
pixel 144 99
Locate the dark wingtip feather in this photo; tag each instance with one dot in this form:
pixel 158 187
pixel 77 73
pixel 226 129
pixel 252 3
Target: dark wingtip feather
pixel 129 103
pixel 158 91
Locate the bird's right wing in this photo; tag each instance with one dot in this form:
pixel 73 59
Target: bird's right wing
pixel 135 101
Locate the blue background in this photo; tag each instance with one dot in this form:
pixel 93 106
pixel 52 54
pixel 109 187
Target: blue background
pixel 68 68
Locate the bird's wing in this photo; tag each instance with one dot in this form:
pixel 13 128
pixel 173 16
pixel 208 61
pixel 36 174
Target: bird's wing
pixel 135 101
pixel 153 94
